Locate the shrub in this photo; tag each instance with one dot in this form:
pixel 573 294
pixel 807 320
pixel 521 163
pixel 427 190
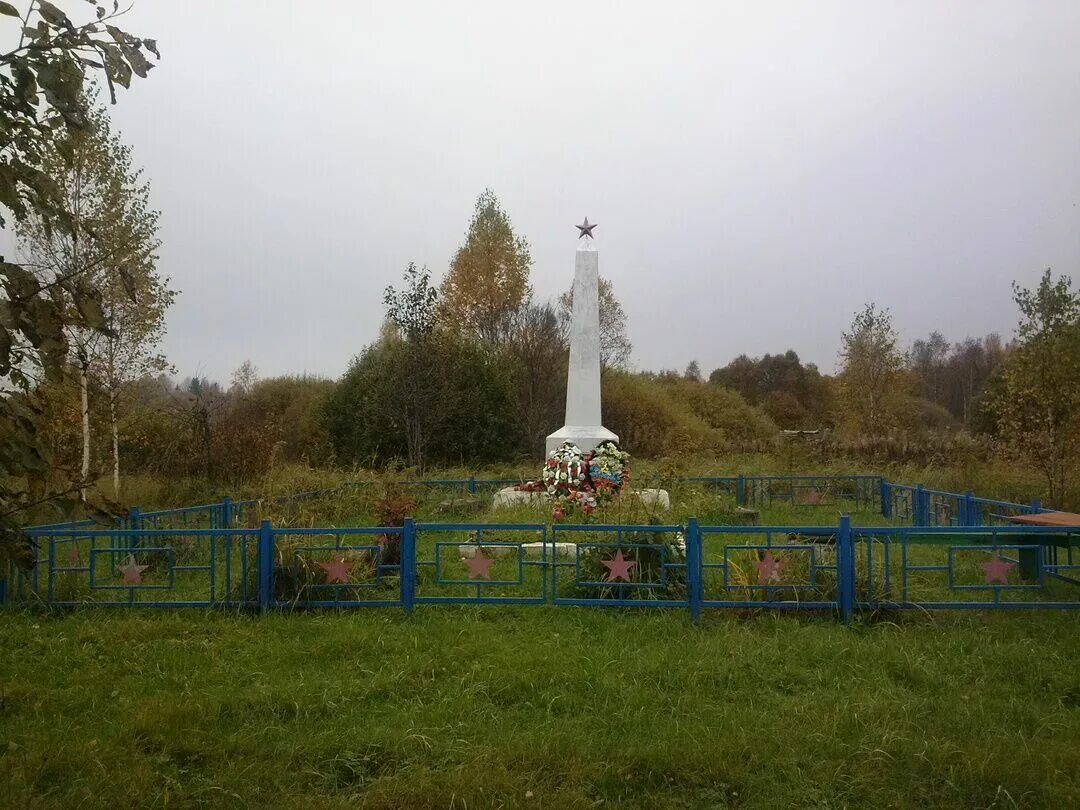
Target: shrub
pixel 649 421
pixel 657 417
pixel 391 509
pixel 724 410
pixel 447 401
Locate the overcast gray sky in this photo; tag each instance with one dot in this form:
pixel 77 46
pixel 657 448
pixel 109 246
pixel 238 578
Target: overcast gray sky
pixel 758 170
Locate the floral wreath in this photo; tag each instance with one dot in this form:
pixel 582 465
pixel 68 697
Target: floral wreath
pixel 573 478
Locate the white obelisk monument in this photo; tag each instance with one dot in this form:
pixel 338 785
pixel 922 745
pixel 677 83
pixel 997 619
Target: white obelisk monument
pixel 583 426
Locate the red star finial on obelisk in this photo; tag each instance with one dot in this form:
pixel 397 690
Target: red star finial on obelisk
pixel 768 569
pixel 337 571
pixel 997 570
pixel 479 566
pixel 619 567
pixel 132 572
pixel 586 229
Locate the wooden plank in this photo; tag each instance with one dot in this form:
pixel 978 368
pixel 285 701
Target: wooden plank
pixel 1069 519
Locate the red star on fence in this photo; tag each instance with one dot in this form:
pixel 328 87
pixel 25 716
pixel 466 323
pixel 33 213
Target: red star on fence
pixel 768 569
pixel 337 571
pixel 131 572
pixel 479 566
pixel 997 570
pixel 619 567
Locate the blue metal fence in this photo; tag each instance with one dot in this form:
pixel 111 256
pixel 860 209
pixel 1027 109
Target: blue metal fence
pixel 914 505
pixel 620 565
pixel 785 567
pixel 857 491
pixel 919 506
pixel 481 563
pixel 320 568
pixel 812 490
pixel 214 555
pixel 138 568
pixel 841 569
pixel 962 568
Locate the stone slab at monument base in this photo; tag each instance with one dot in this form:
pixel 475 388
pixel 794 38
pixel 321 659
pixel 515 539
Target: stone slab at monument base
pixel 468 550
pixel 586 438
pixel 549 549
pixel 657 498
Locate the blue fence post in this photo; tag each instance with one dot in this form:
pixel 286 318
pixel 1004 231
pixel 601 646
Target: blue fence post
pixel 134 522
pixel 886 499
pixel 1036 506
pixel 225 521
pixel 970 513
pixel 408 565
pixel 266 566
pixel 740 490
pixel 472 485
pixel 845 560
pixel 920 512
pixel 694 571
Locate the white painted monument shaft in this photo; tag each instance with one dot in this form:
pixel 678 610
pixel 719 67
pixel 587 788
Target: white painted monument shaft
pixel 583 426
pixel 583 381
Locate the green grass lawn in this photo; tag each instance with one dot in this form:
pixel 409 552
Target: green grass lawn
pixel 537 707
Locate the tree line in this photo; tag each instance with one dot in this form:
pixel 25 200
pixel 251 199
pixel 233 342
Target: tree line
pixel 471 370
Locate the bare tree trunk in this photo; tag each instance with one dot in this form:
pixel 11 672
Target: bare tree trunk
pixel 115 447
pixel 208 460
pixel 84 361
pixel 84 395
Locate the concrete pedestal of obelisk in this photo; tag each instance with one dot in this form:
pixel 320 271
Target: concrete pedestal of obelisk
pixel 583 426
